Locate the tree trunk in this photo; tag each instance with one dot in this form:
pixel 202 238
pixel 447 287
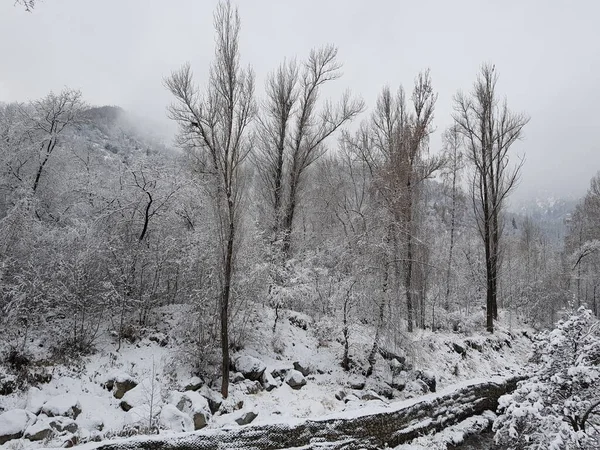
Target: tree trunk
pixel 227 275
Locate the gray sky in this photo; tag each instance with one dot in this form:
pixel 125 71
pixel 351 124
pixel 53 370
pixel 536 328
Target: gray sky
pixel 547 53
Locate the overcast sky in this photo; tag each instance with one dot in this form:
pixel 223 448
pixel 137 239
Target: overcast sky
pixel 547 53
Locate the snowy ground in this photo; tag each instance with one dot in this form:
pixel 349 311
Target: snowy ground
pixel 439 354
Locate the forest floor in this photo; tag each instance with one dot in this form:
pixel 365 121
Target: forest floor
pixel 163 354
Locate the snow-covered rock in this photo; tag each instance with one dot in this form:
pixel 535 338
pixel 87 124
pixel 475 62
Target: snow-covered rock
pixel 193 384
pixel 356 382
pixel 252 368
pixel 62 405
pixel 237 377
pixel 428 378
pixel 295 379
pixel 215 400
pixel 63 424
pixel 173 419
pixel 14 423
pixel 148 391
pixel 303 367
pixel 340 395
pixel 92 423
pixel 370 395
pixel 140 415
pixel 268 382
pixel 245 417
pixel 119 383
pixel 35 400
pixel 39 430
pixel 193 404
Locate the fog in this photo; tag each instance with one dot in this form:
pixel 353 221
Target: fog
pixel 547 53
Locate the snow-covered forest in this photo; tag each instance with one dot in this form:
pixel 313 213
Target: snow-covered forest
pixel 291 255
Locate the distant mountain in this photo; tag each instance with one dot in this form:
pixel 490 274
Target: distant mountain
pixel 551 213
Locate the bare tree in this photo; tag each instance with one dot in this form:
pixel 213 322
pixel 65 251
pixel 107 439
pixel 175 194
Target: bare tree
pixel 453 156
pixel 27 4
pixel 47 119
pixel 489 129
pixel 294 129
pixel 216 125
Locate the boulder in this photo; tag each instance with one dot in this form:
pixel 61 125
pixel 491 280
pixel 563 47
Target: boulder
pixel 295 379
pixel 195 405
pixel 251 387
pixel 350 398
pixel 140 415
pixel 237 377
pixel 303 368
pixel 215 400
pixel 14 423
pixel 66 405
pixel 370 395
pixel 35 400
pixel 120 383
pixel 356 383
pixel 428 378
pixel 63 424
pixel 246 417
pixel 460 349
pixel 252 368
pixel 173 419
pixel 40 430
pixel 92 423
pixel 268 382
pixel 340 395
pixel 144 393
pixel 193 384
pixel 280 373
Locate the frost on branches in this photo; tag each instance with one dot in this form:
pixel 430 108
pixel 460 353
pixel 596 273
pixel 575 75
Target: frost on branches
pixel 559 406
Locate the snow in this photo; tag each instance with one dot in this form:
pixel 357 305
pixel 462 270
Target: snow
pixel 62 405
pixel 425 351
pixel 148 391
pixel 35 400
pixel 174 420
pixel 15 422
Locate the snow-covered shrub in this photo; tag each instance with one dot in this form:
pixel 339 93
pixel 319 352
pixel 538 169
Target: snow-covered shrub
pixel 558 407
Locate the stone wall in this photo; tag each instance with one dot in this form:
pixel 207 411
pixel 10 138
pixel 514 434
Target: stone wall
pixel 372 429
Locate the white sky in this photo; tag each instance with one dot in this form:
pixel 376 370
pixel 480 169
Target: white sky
pixel 547 53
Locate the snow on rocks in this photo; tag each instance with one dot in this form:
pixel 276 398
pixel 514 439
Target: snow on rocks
pixel 142 414
pixel 295 379
pixel 35 400
pixel 39 430
pixel 193 384
pixel 62 405
pixel 245 417
pixel 195 405
pixel 14 423
pixel 252 368
pixel 175 420
pixel 428 378
pixel 119 383
pixel 268 382
pixel 148 391
pixel 303 368
pixel 215 400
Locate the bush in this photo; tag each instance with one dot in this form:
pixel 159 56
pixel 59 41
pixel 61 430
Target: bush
pixel 559 406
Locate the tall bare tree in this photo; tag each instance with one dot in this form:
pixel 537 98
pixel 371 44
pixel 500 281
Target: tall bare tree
pixel 453 156
pixel 294 128
pixel 216 125
pixel 490 129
